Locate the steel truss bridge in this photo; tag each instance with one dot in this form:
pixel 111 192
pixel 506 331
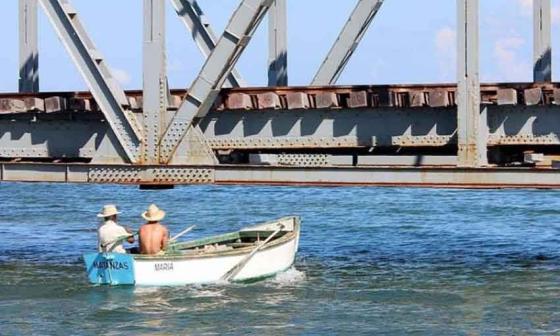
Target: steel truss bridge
pixel 220 131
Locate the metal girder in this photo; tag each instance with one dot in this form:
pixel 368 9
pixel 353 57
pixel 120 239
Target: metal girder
pixel 448 177
pixel 205 88
pixel 278 44
pixel 328 160
pixel 441 177
pixel 347 42
pixel 28 50
pixel 79 134
pixel 472 125
pixel 104 88
pixel 194 19
pixel 155 78
pixel 542 71
pixel 283 142
pixel 151 175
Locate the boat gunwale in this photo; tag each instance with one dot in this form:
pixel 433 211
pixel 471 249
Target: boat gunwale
pixel 286 238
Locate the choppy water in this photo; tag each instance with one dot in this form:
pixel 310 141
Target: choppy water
pixel 371 261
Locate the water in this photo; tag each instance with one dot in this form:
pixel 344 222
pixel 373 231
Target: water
pixel 371 261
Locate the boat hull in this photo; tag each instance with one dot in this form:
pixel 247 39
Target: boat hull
pixel 126 269
pixel 210 269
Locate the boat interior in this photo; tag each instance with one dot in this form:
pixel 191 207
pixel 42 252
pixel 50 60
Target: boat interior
pixel 246 239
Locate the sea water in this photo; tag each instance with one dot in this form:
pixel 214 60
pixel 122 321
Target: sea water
pixel 372 261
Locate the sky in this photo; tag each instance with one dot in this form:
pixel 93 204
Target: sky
pixel 410 41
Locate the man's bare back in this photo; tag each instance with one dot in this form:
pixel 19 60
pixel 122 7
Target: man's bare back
pixel 153 238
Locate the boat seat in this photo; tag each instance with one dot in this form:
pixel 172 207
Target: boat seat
pixel 237 245
pixel 216 248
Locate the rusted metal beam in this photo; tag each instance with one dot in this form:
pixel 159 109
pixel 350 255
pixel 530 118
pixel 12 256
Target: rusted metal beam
pixel 205 88
pixel 190 12
pixel 278 44
pixel 472 124
pixel 156 91
pixel 440 177
pixel 542 43
pixel 97 75
pixel 28 48
pixel 347 42
pixel 294 98
pixel 336 97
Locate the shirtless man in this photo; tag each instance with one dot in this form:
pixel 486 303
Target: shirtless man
pixel 153 236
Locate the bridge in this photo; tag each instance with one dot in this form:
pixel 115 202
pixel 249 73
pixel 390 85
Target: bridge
pixel 220 131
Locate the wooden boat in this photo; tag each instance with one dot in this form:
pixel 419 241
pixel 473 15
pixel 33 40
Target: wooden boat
pixel 250 254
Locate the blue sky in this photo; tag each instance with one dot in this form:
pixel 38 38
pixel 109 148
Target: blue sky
pixel 409 42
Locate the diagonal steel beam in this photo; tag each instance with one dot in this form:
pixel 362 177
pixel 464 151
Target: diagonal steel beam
pixel 206 86
pixel 196 22
pixel 28 51
pixel 347 42
pixel 104 87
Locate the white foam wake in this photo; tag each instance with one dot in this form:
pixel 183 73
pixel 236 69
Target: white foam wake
pixel 290 277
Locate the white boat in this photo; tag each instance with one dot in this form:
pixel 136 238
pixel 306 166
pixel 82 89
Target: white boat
pixel 250 254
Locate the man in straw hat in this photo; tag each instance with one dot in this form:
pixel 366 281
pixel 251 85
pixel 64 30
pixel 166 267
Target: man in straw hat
pixel 153 236
pixel 111 235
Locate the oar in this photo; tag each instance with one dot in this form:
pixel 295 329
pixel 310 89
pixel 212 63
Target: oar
pixel 120 239
pixel 182 233
pixel 239 266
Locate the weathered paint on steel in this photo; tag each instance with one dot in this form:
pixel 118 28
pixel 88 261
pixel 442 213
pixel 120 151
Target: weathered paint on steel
pixel 440 177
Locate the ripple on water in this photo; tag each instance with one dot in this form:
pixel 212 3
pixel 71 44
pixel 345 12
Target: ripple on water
pixel 371 261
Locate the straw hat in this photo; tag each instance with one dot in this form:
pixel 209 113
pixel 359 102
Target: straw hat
pixel 108 211
pixel 153 214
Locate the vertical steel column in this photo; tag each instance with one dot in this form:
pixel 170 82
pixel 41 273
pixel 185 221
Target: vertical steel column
pixel 28 50
pixel 470 129
pixel 542 71
pixel 278 44
pixel 155 78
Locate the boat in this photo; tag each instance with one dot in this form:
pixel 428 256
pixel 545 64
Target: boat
pixel 248 255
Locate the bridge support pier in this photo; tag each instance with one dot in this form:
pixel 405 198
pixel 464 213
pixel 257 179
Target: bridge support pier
pixel 28 49
pixel 472 125
pixel 542 66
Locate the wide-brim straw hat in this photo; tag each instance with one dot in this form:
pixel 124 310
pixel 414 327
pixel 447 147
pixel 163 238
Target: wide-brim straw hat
pixel 153 214
pixel 108 211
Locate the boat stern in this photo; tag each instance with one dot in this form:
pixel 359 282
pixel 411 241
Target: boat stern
pixel 109 268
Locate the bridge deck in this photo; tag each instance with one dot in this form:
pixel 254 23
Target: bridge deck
pixel 303 98
pixel 439 177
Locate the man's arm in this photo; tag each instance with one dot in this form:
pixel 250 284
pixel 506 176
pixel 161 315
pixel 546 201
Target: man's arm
pixel 131 233
pixel 165 239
